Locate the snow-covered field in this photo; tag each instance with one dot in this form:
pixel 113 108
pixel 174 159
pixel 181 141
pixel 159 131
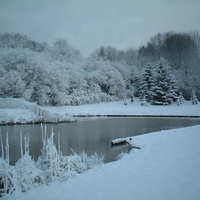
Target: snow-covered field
pixel 118 108
pixel 166 167
pixel 20 111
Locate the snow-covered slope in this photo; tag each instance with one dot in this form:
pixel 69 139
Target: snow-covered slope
pixel 166 167
pixel 14 111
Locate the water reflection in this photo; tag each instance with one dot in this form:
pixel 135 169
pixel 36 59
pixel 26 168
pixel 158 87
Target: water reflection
pixel 91 135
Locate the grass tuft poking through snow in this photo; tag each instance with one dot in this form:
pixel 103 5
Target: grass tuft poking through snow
pixel 50 167
pixel 166 167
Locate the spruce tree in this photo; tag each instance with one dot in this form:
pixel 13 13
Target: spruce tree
pixel 144 101
pixel 164 91
pixel 147 83
pixel 193 98
pixel 180 99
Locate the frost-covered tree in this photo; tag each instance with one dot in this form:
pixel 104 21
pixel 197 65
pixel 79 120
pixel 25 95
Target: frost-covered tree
pixel 181 50
pixel 16 40
pixel 164 90
pixel 144 101
pixel 64 52
pixel 147 83
pixel 33 76
pixel 107 76
pixel 178 101
pixel 182 99
pixel 193 98
pixel 11 85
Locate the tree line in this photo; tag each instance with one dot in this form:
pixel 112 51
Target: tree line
pixel 182 52
pixel 59 75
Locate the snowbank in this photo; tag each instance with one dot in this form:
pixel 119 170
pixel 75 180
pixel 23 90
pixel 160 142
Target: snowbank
pixel 14 111
pixel 20 111
pixel 166 167
pixel 13 103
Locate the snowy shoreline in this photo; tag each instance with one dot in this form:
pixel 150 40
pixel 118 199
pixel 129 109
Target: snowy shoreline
pixel 166 167
pixel 137 116
pixel 18 111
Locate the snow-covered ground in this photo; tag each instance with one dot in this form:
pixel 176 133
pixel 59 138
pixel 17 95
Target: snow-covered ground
pixel 118 108
pixel 20 111
pixel 14 111
pixel 166 167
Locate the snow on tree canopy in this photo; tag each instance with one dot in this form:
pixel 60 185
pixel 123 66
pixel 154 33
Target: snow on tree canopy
pixel 147 83
pixel 164 91
pixel 193 98
pixel 58 75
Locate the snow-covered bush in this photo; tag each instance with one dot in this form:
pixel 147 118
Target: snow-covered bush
pixel 94 161
pixel 180 99
pixel 49 161
pixel 57 167
pixel 193 98
pixel 51 166
pixel 125 102
pixel 144 101
pixel 83 162
pixel 8 178
pixel 28 175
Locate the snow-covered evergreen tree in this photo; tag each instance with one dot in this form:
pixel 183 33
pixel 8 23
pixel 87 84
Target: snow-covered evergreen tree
pixel 147 83
pixel 144 101
pixel 193 98
pixel 180 99
pixel 164 91
pixel 125 101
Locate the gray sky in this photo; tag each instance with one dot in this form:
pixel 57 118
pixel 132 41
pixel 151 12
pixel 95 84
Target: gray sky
pixel 89 24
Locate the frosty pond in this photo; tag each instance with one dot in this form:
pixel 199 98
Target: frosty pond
pixel 91 135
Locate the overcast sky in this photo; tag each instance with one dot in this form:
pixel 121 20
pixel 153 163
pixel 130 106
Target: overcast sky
pixel 89 24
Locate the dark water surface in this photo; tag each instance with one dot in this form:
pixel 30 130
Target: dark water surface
pixel 91 135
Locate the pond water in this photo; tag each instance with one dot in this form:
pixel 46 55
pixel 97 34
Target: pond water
pixel 91 135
